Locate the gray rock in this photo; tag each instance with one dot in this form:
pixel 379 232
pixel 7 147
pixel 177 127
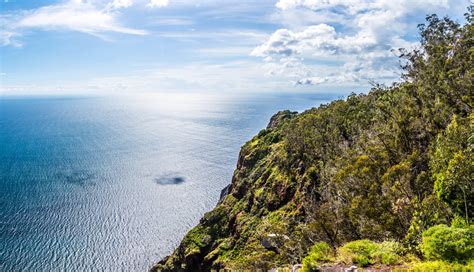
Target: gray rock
pixel 224 193
pixel 351 269
pixel 272 240
pixel 296 267
pixel 268 243
pixel 279 117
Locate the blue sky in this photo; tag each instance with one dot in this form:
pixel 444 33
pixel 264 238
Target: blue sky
pixel 127 46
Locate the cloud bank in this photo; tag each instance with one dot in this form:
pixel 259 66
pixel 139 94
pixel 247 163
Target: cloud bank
pixel 340 45
pixel 357 48
pixel 89 17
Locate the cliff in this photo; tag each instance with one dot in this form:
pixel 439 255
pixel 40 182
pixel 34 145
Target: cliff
pixel 382 166
pixel 258 189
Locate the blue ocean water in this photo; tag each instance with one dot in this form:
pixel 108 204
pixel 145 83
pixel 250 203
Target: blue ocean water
pixel 100 183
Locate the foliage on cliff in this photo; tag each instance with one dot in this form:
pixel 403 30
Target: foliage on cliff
pixel 382 166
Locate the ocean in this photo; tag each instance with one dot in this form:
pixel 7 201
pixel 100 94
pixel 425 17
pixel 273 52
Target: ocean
pixel 113 183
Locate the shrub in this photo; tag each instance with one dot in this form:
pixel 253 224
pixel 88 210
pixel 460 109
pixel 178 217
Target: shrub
pixel 387 253
pixel 365 252
pixel 359 252
pixel 441 266
pixel 448 243
pixel 459 222
pixel 320 252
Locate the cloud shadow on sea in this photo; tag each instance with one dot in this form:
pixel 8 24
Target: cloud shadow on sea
pixel 170 179
pixel 81 178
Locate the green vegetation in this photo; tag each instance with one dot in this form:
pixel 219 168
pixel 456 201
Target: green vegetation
pixel 358 252
pixel 383 166
pixel 453 166
pixel 445 249
pixel 320 252
pixel 450 244
pixel 441 266
pixel 365 252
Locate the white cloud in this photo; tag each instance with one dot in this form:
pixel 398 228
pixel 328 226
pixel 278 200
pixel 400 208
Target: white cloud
pixel 232 76
pixel 298 18
pixel 289 52
pixel 228 77
pixel 286 43
pixel 172 21
pixel 235 36
pixel 321 4
pixel 118 4
pixel 158 3
pixel 311 81
pixel 356 47
pixel 77 16
pixel 355 6
pixel 7 38
pixel 94 17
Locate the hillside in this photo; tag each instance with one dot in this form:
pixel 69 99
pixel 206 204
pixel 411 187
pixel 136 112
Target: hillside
pixel 382 166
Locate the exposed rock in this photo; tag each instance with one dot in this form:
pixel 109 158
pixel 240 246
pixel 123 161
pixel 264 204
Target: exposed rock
pixel 279 117
pixel 272 240
pixel 224 192
pixel 351 269
pixel 296 267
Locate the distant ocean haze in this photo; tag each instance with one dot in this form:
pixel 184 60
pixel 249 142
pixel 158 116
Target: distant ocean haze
pixel 100 183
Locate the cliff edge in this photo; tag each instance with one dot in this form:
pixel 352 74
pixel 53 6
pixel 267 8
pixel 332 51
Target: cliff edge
pixel 382 166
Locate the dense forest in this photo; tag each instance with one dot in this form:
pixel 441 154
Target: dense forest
pixel 384 178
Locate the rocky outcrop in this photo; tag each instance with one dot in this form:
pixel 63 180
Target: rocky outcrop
pixel 224 192
pixel 279 117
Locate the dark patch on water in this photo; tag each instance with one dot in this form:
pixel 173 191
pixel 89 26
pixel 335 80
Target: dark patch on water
pixel 82 178
pixel 170 179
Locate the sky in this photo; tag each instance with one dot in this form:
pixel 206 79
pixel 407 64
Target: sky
pixel 227 46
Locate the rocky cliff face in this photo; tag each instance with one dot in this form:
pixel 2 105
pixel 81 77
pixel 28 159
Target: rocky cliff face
pixel 237 226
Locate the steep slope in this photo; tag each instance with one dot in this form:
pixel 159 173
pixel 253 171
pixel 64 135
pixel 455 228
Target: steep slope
pixel 386 165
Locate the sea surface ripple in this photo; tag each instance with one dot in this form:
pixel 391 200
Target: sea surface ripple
pixel 106 183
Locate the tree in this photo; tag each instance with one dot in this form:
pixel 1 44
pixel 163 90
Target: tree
pixel 453 166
